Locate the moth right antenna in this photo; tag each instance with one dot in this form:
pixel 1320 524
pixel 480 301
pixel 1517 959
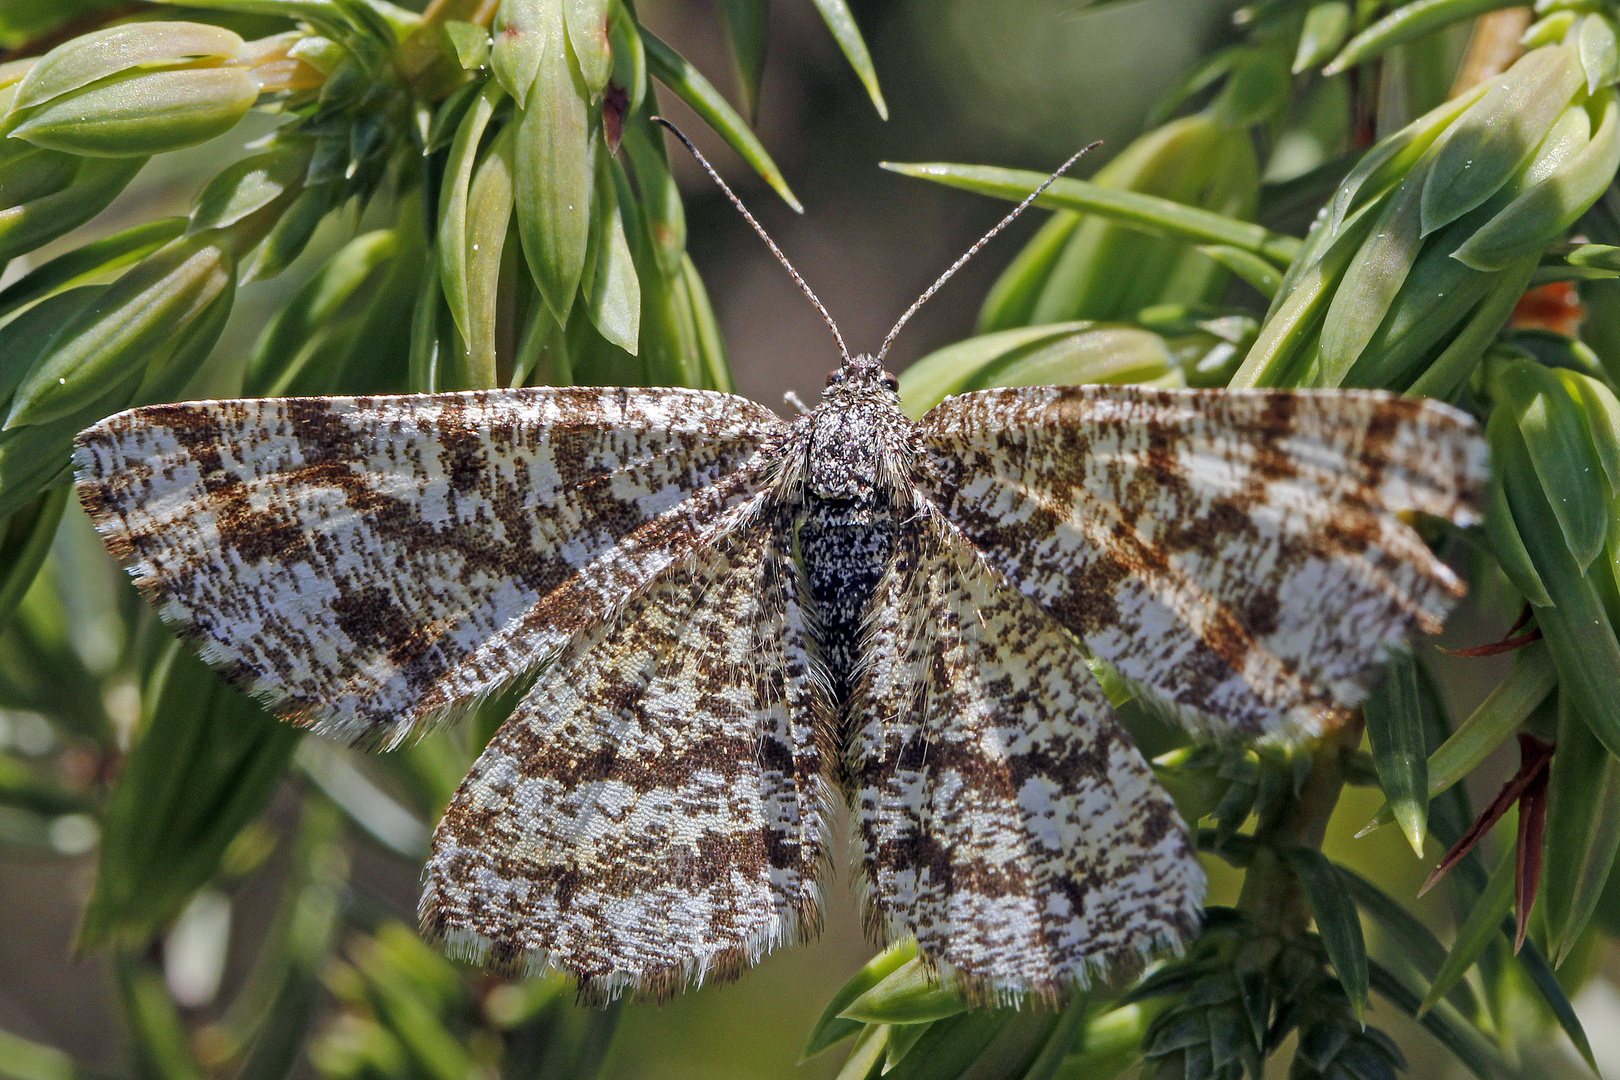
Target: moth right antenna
pixel 883 350
pixel 843 350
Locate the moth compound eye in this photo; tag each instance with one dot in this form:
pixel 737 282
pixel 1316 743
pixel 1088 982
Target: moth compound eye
pixel 891 382
pixel 835 376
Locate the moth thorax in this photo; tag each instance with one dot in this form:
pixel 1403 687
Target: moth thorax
pixel 846 458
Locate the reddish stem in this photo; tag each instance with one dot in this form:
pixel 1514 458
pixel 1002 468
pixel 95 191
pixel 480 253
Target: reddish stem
pixel 1532 823
pixel 1533 758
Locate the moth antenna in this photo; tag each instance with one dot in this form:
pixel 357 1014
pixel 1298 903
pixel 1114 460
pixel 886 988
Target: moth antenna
pixel 763 235
pixel 974 250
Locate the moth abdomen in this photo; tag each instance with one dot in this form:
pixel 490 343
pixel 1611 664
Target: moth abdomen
pixel 845 550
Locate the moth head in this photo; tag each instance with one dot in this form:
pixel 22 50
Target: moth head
pixel 861 371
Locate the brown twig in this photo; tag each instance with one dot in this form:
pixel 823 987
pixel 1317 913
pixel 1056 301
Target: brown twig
pixel 1492 47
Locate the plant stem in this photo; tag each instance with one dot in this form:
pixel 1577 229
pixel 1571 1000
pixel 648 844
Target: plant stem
pixel 1271 897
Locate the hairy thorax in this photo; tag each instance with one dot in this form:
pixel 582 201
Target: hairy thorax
pixel 856 488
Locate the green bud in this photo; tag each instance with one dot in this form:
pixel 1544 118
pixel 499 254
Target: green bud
pixel 13 72
pixel 1488 142
pixel 1599 56
pixel 912 994
pixel 110 342
pixel 1373 278
pixel 179 360
pixel 588 35
pixel 1292 327
pixel 1389 162
pixel 144 114
pixel 831 1029
pixel 458 175
pixel 470 42
pixel 321 53
pixel 1508 547
pixel 28 225
pixel 629 56
pixel 522 33
pixel 553 171
pixel 1601 411
pixel 94 259
pixel 91 57
pixel 1326 25
pixel 1568 174
pixel 247 186
pixel 32 172
pixel 612 289
pixel 1439 296
pixel 489 212
pixel 1550 30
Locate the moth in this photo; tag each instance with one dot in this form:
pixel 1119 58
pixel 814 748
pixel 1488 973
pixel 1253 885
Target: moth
pixel 737 619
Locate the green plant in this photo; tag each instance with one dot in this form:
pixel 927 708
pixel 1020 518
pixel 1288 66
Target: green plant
pixel 524 227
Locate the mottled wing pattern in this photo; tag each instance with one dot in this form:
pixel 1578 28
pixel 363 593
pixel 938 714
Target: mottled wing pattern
pixel 368 563
pixel 1239 553
pixel 1006 818
pixel 653 812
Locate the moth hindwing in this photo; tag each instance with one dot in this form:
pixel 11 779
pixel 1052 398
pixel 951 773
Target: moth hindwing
pixel 731 616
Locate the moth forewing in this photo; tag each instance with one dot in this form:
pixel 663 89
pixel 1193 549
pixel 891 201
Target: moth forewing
pixel 1241 554
pixel 360 563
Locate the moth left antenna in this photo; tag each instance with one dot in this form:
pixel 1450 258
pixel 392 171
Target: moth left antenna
pixel 843 350
pixel 974 250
